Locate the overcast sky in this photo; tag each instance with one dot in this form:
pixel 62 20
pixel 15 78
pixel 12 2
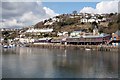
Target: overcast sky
pixel 21 14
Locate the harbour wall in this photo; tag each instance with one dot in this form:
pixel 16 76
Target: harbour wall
pixel 82 47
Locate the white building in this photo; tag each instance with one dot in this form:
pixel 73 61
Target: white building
pixel 62 34
pixel 44 30
pixel 91 20
pixel 104 19
pixel 84 20
pixel 26 40
pixel 48 23
pixel 75 34
pixel 55 19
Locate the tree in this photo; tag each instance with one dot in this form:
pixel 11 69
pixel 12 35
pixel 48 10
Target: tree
pixel 50 19
pixel 100 17
pixel 46 35
pixel 111 14
pixel 94 24
pixel 45 21
pixel 75 12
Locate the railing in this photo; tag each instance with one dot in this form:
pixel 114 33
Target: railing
pixel 84 40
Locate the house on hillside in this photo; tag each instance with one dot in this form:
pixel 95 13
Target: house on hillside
pixel 92 20
pixel 48 23
pixel 63 34
pixel 75 34
pixel 84 20
pixel 44 30
pixel 55 19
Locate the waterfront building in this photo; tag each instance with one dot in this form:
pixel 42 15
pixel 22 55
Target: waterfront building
pixel 56 40
pixel 26 40
pixel 116 35
pixel 115 40
pixel 89 39
pixel 43 40
pixel 84 38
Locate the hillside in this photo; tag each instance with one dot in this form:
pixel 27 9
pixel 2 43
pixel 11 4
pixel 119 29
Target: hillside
pixel 72 22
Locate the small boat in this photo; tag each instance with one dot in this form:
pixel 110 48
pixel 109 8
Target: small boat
pixel 11 45
pixel 87 49
pixel 5 46
pixel 8 46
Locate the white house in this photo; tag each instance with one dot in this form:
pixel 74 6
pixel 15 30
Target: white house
pixel 55 19
pixel 84 20
pixel 59 34
pixel 26 40
pixel 44 30
pixel 62 34
pixel 75 34
pixel 91 20
pixel 104 19
pixel 48 23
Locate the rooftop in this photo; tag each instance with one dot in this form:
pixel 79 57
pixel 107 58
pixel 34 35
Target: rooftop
pixel 117 32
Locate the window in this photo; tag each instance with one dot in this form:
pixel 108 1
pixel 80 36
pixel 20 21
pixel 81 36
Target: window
pixel 114 38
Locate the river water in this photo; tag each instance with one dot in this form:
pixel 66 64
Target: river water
pixel 58 63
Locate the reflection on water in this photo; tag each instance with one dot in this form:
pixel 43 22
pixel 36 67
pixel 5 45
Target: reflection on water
pixel 0 62
pixel 56 63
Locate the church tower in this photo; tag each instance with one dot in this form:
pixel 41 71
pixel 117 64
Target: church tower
pixel 95 31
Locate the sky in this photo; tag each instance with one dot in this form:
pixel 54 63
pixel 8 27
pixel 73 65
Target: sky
pixel 68 7
pixel 23 14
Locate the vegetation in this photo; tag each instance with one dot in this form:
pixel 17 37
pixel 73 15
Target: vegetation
pixel 70 24
pixel 114 24
pixel 66 22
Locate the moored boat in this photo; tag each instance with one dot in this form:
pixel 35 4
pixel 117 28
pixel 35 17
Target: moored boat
pixel 87 49
pixel 5 46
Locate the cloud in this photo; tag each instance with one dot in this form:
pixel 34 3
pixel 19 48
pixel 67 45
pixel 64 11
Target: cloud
pixel 102 7
pixel 24 13
pixel 12 23
pixel 88 10
pixel 49 12
pixel 15 9
pixel 28 17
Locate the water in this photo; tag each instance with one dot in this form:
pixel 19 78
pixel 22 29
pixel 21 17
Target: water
pixel 58 63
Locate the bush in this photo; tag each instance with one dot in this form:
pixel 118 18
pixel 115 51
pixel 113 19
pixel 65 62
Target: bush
pixel 66 22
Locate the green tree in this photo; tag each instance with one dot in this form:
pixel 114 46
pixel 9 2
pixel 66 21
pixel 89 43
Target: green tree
pixel 100 17
pixel 94 24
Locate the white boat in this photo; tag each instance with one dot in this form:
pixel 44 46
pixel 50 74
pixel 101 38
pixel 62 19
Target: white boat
pixel 5 46
pixel 11 45
pixel 87 49
pixel 8 46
